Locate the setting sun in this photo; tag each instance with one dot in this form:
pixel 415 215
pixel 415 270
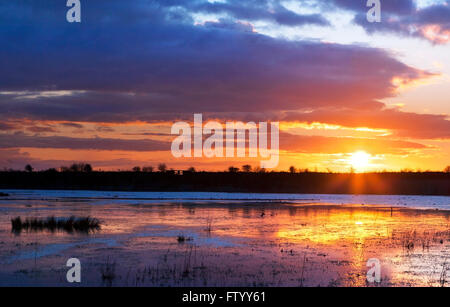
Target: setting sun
pixel 359 160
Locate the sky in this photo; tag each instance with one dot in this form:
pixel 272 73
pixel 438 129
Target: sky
pixel 348 94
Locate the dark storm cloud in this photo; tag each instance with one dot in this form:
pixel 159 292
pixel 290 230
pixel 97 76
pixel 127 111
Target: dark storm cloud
pixel 136 69
pixel 173 59
pixel 146 60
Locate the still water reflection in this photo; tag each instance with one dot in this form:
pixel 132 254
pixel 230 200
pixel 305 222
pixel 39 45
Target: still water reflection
pixel 227 243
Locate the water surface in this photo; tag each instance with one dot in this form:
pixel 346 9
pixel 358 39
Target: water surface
pixel 230 239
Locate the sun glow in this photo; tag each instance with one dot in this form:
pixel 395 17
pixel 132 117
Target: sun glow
pixel 360 160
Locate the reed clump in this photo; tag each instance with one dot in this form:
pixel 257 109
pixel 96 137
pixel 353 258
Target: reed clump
pixel 70 224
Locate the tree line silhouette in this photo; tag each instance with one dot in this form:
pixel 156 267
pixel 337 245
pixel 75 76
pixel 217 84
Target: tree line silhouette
pixel 162 167
pixel 244 179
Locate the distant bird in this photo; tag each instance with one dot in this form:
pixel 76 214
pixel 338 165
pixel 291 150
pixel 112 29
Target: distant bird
pixel 262 214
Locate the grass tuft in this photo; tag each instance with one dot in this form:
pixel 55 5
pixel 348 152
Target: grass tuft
pixel 182 239
pixel 71 224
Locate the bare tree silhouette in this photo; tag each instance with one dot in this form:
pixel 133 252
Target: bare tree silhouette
pixel 246 168
pixel 233 169
pixel 28 168
pixel 162 167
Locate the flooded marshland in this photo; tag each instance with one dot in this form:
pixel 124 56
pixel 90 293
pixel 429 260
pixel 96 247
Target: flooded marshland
pixel 211 239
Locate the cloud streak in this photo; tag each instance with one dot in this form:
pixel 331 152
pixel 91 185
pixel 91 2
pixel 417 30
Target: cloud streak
pixel 288 142
pixel 20 140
